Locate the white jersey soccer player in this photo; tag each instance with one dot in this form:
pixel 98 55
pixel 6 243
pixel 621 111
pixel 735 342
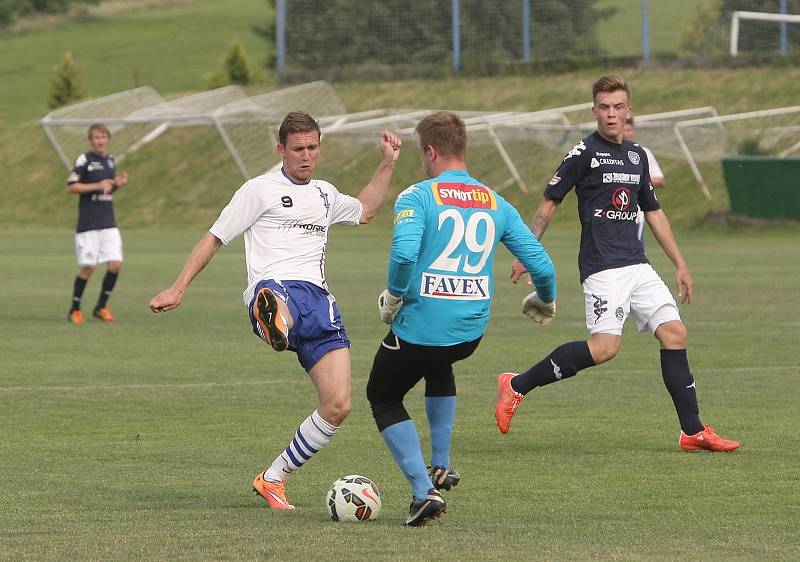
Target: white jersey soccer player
pixel 285 227
pixel 285 216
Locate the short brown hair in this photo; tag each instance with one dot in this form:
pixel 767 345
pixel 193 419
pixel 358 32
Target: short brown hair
pixel 98 127
pixel 610 84
pixel 445 131
pixel 297 122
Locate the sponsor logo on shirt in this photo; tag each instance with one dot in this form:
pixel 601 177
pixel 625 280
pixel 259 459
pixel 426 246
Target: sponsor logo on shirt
pixel 602 154
pixel 439 286
pixel 405 214
pixel 607 161
pixel 616 177
pixel 554 180
pixel 95 166
pixel 464 196
pixel 633 156
pixel 594 163
pixel 305 229
pixel 621 201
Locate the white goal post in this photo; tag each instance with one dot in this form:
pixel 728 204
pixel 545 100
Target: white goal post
pixel 737 16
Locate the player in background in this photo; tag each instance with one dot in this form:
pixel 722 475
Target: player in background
pixel 611 177
pixel 440 285
pixel 656 175
pixel 285 216
pixel 94 178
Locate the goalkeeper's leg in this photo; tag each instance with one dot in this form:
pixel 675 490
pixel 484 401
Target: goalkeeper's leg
pixel 390 379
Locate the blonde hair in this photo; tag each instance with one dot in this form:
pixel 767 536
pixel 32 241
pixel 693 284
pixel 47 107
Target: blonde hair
pixel 445 131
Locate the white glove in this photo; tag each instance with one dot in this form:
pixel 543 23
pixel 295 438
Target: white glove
pixel 388 306
pixel 541 312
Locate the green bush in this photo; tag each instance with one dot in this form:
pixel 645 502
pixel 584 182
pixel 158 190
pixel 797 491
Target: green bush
pixel 10 10
pixel 66 85
pixel 236 69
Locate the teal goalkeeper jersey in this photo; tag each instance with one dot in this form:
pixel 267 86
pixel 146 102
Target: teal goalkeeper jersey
pixel 445 235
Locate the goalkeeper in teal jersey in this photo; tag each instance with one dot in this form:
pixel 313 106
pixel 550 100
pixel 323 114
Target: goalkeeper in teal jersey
pixel 440 286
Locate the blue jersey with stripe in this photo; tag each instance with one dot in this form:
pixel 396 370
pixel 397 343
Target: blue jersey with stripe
pixel 445 235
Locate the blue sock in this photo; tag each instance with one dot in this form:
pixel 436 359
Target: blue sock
pixel 441 412
pixel 403 443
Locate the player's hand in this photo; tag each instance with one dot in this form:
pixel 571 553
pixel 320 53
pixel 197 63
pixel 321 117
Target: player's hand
pixel 517 271
pixel 120 179
pixel 388 306
pixel 166 300
pixel 541 312
pixel 390 146
pixel 684 283
pixel 106 186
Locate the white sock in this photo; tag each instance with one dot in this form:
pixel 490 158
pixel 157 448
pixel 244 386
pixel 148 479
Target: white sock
pixel 312 435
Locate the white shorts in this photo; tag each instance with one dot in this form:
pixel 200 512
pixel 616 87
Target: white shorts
pixel 612 294
pixel 93 247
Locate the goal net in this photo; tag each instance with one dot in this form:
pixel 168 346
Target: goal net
pixel 771 132
pixel 763 32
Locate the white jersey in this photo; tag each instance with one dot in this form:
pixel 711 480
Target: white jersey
pixel 655 169
pixel 285 227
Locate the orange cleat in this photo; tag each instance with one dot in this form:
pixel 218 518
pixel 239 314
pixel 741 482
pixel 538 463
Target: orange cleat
pixel 273 492
pixel 103 314
pixel 508 401
pixel 707 440
pixel 76 317
pixel 273 328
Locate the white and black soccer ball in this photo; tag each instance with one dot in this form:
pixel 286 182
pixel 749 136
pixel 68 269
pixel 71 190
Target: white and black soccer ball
pixel 353 498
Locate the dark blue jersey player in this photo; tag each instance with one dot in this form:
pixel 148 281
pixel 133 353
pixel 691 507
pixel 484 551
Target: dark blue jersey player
pixel 94 178
pixel 611 177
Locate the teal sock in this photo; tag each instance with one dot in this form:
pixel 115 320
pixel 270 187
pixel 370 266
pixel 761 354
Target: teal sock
pixel 403 443
pixel 441 412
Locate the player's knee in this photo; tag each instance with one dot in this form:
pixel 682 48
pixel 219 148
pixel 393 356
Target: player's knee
pixel 604 348
pixel 86 272
pixel 336 411
pixel 673 335
pixel 115 266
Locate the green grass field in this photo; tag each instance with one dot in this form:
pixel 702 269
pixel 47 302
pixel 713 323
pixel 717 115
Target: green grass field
pixel 621 34
pixel 168 48
pixel 139 440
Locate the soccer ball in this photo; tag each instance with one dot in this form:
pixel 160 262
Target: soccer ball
pixel 353 498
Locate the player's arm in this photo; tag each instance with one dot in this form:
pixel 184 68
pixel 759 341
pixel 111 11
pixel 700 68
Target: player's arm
pixel 103 186
pixel 541 219
pixel 120 179
pixel 202 253
pixel 656 174
pixel 374 192
pixel 662 230
pixel 409 227
pixel 540 304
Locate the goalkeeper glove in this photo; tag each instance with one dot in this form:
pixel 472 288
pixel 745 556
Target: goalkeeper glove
pixel 541 312
pixel 388 306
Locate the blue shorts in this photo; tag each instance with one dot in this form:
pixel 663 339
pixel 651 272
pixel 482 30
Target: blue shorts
pixel 318 326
